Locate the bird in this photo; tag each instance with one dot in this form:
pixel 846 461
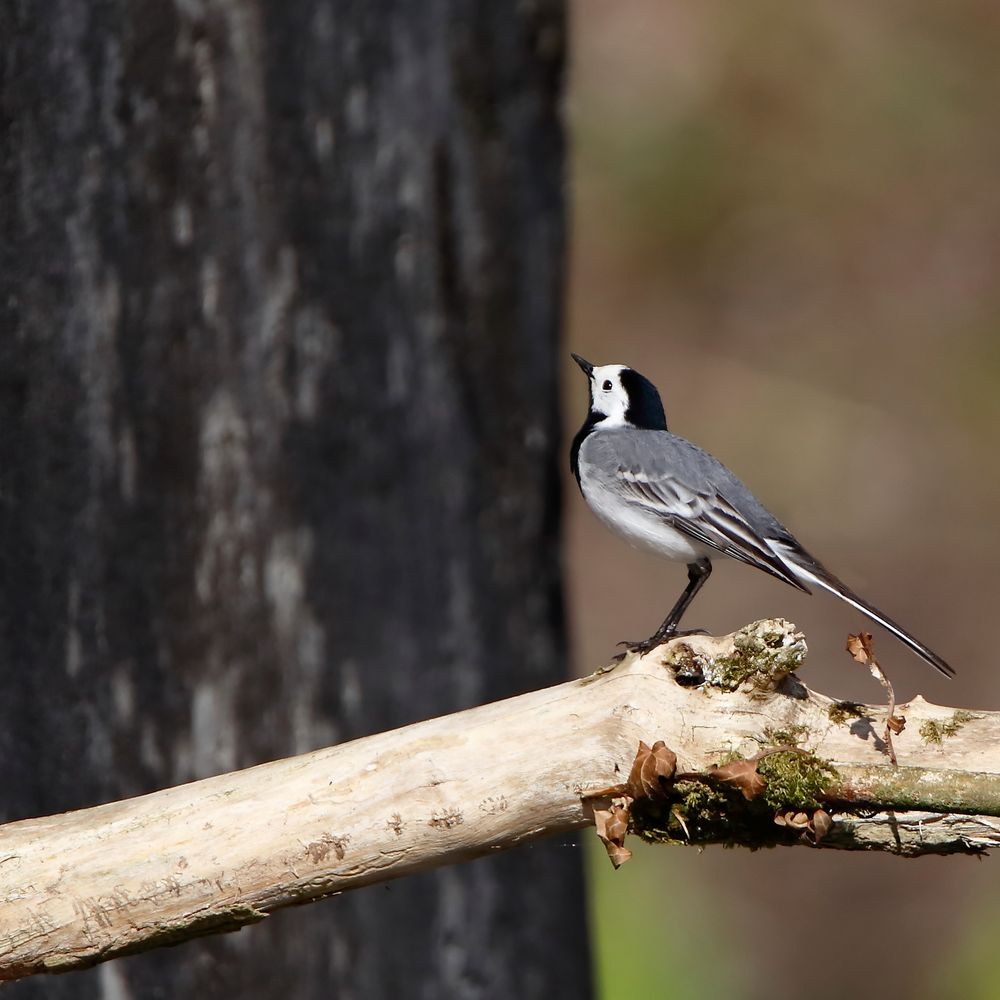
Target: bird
pixel 664 494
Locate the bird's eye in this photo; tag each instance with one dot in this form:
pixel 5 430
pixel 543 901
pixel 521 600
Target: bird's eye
pixel 607 385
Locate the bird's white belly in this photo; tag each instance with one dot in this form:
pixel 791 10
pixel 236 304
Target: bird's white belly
pixel 642 528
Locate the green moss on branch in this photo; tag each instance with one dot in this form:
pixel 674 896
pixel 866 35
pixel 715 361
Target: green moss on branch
pixel 919 788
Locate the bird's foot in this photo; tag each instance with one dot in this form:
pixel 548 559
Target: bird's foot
pixel 646 645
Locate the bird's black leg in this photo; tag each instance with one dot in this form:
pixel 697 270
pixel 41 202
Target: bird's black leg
pixel 698 573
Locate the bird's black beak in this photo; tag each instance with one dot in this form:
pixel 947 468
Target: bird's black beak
pixel 588 368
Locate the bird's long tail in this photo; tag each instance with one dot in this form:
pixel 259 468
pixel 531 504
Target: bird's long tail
pixel 811 571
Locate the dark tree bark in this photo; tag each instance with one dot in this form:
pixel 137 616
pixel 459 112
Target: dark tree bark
pixel 278 417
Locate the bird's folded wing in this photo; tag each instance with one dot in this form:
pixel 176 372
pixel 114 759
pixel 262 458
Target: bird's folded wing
pixel 707 517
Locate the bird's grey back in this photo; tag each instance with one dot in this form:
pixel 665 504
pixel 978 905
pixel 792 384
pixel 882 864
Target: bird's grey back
pixel 659 456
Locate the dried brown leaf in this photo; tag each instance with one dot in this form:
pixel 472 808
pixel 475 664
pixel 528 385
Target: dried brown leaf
pixel 618 855
pixel 652 771
pixel 822 824
pixel 792 818
pixel 816 826
pixel 612 826
pixel 743 775
pixel 860 646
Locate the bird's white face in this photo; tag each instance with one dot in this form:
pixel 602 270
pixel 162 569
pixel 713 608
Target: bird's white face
pixel 608 396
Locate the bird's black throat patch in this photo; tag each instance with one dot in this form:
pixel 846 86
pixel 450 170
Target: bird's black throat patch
pixel 581 434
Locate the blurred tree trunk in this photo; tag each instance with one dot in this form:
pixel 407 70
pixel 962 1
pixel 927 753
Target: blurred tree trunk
pixel 278 417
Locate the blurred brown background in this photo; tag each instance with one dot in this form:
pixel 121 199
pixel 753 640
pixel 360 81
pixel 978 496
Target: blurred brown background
pixel 788 217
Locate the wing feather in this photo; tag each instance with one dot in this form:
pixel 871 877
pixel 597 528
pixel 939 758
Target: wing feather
pixel 707 517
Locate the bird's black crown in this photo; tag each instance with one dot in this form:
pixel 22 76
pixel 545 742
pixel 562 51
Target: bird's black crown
pixel 644 407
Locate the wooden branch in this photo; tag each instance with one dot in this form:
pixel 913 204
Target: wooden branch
pixel 210 856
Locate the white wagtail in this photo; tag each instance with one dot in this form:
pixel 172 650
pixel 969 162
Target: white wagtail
pixel 662 493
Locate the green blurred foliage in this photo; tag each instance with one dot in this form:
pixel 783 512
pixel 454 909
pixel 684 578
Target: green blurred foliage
pixel 972 973
pixel 652 935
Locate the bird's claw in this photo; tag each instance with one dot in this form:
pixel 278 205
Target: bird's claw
pixel 647 645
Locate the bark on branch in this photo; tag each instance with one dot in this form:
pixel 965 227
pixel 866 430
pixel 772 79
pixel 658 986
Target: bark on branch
pixel 216 854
